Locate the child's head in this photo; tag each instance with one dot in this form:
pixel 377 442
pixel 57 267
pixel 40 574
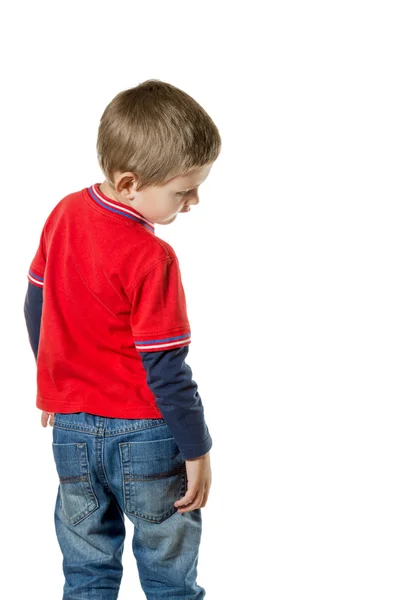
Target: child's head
pixel 155 146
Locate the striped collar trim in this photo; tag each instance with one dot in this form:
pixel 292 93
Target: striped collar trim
pixel 117 207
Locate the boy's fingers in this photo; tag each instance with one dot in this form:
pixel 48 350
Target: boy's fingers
pixel 205 498
pixel 45 418
pixel 196 503
pixel 187 498
pixel 183 501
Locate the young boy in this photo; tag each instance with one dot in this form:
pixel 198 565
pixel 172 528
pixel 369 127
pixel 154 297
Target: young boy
pixel 106 316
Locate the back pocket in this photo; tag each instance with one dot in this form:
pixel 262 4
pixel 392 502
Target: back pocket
pixel 154 477
pixel 77 499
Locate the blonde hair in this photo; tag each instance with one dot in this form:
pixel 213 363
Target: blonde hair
pixel 156 131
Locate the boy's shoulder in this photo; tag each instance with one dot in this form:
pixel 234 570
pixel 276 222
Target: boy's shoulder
pixel 137 245
pixel 161 248
pixel 64 205
pixel 55 214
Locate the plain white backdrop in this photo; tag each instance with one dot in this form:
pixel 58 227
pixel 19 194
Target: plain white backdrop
pixel 290 265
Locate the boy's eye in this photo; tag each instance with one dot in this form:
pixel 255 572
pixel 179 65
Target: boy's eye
pixel 181 193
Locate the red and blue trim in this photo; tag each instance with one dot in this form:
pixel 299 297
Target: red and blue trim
pixel 163 344
pixel 35 278
pixel 117 207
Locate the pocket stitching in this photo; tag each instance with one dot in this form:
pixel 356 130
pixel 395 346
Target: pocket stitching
pixel 85 478
pixel 128 477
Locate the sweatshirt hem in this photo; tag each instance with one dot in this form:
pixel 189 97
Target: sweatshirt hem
pixel 69 407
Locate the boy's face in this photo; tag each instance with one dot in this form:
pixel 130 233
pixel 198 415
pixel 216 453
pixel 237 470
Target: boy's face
pixel 159 204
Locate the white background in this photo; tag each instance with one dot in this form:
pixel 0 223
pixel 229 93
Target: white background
pixel 290 265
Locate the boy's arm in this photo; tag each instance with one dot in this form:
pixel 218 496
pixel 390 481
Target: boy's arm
pixel 34 295
pixel 33 314
pixel 161 334
pixel 170 379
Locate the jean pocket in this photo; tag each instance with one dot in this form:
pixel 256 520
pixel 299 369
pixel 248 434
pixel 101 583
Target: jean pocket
pixel 77 498
pixel 154 477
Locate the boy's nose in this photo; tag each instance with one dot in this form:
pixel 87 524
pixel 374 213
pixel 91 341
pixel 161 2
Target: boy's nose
pixel 194 200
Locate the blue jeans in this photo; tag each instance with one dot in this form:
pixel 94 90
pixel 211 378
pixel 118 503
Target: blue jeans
pixel 108 468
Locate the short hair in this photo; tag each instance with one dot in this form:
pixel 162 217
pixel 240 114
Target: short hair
pixel 156 131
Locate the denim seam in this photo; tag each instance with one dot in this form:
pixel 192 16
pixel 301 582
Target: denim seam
pixel 73 427
pixel 103 465
pixel 102 432
pixel 122 468
pixel 130 430
pixel 87 466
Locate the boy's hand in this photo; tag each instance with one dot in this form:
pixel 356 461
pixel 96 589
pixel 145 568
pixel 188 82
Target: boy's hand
pixel 45 416
pixel 199 477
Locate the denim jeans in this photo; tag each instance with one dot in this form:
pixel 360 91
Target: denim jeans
pixel 109 468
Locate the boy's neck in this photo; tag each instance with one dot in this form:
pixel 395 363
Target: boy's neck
pixel 107 190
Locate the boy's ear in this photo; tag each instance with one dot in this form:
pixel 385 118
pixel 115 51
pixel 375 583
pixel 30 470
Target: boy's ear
pixel 126 183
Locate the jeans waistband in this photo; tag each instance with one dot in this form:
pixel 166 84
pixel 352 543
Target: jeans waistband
pixel 102 426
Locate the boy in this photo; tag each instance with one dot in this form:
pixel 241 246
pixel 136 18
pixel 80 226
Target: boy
pixel 106 299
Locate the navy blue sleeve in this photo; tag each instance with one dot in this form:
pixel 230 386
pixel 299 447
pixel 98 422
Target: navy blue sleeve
pixel 170 379
pixel 33 314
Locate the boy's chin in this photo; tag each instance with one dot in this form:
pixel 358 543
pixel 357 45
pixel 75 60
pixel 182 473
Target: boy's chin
pixel 167 220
